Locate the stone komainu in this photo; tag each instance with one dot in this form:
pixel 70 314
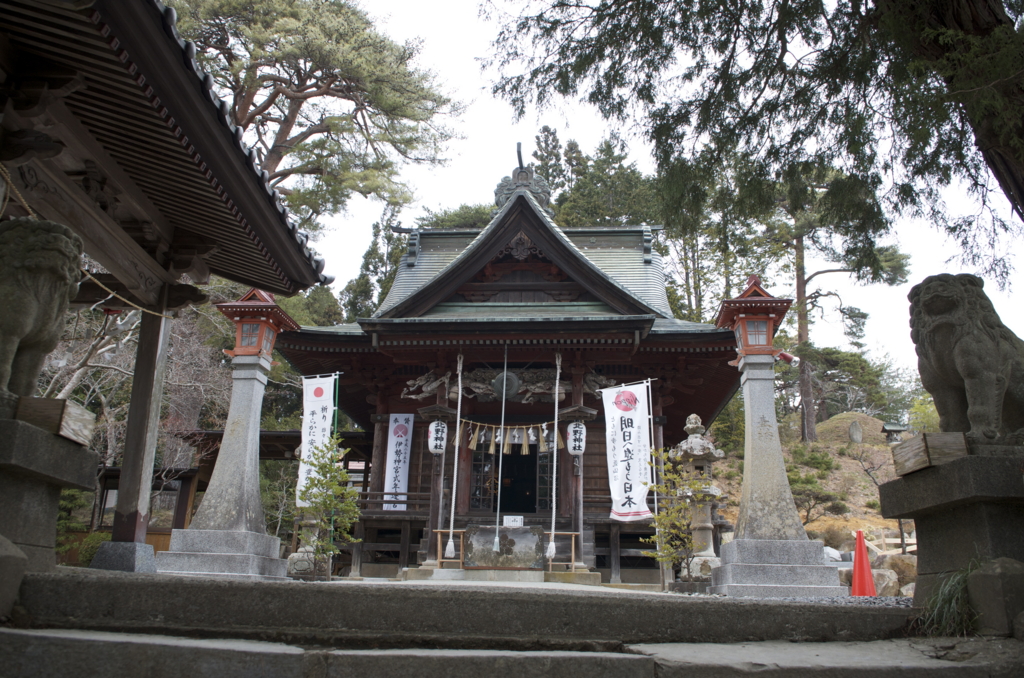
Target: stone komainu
pixel 969 361
pixel 39 275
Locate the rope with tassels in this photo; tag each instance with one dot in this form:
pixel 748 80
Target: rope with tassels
pixel 554 461
pixel 449 549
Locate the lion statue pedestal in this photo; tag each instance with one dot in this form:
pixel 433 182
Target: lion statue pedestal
pixel 972 506
pixel 39 273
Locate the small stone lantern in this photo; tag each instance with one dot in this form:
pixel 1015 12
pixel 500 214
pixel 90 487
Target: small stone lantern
pixel 696 454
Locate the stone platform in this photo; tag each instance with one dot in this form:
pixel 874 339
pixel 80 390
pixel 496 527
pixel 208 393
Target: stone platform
pixel 34 466
pixel 971 508
pixel 766 568
pixel 223 554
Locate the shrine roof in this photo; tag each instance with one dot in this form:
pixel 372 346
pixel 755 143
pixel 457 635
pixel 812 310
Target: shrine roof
pixel 621 255
pixel 150 116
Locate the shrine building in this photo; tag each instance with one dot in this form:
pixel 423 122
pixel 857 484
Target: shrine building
pixel 525 291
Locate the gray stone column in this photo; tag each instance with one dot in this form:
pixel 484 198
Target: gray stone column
pixel 771 555
pixel 232 499
pixel 227 537
pixel 767 510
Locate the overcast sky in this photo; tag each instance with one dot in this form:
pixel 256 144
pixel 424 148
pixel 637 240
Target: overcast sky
pixel 454 40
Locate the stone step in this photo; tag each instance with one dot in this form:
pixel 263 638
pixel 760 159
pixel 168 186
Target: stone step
pixel 775 575
pixel 232 564
pixel 95 654
pixel 773 552
pixel 359 614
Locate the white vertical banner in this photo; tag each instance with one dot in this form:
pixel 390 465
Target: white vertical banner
pixel 396 474
pixel 626 412
pixel 317 422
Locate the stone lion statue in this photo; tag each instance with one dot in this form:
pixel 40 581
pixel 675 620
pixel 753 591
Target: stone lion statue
pixel 39 275
pixel 970 362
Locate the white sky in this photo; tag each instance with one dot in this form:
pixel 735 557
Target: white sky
pixel 454 40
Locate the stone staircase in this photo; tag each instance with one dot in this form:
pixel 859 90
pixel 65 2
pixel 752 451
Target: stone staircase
pixel 87 623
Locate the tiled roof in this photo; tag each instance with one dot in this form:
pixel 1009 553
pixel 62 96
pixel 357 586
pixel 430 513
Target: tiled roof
pixel 624 264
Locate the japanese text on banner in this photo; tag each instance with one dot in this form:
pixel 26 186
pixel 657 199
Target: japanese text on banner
pixel 396 473
pixel 626 412
pixel 317 423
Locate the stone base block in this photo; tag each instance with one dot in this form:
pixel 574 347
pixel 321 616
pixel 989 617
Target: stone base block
pixel 423 573
pixel 12 569
pixel 225 541
pixel 34 466
pixel 223 554
pixel 996 593
pixel 775 569
pixel 585 578
pixel 124 556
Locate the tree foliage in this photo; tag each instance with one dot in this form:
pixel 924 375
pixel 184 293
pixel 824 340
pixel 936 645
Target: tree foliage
pixel 331 510
pixel 363 294
pixel 332 106
pixel 676 488
pixel 894 94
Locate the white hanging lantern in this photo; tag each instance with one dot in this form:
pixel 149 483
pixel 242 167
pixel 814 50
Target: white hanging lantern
pixel 437 436
pixel 577 438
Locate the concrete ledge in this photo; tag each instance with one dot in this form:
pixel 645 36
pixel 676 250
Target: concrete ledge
pixel 85 654
pixel 124 556
pixel 459 615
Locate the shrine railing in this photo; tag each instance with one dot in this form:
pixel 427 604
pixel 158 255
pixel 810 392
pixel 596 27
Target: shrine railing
pixel 459 545
pixel 374 502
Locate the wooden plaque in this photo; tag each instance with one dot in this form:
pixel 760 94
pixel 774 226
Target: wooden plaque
pixel 928 449
pixel 60 417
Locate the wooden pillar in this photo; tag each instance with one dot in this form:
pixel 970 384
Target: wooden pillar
pixel 576 480
pixel 403 548
pixel 131 517
pixel 436 498
pixel 613 554
pixel 659 443
pixel 378 459
pixel 465 471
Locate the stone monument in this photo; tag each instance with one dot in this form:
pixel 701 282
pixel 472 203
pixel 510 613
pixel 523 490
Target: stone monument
pixel 228 537
pixel 963 487
pixel 770 555
pixel 39 273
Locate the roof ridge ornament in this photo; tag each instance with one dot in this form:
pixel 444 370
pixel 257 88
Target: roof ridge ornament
pixel 523 178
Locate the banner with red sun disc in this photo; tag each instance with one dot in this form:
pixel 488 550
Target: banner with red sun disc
pixel 396 472
pixel 627 429
pixel 317 423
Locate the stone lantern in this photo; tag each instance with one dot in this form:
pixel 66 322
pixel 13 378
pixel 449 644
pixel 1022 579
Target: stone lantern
pixel 227 537
pixel 770 555
pixel 696 454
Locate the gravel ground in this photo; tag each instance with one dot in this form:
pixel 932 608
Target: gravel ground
pixel 861 601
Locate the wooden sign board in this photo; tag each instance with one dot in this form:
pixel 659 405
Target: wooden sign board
pixel 928 449
pixel 60 417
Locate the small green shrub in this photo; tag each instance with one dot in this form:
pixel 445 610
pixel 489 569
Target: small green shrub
pixel 837 508
pixel 872 504
pixel 89 546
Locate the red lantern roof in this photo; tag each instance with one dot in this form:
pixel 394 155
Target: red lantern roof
pixel 258 304
pixel 754 300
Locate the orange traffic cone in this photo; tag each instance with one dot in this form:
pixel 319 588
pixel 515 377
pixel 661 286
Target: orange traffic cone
pixel 863 582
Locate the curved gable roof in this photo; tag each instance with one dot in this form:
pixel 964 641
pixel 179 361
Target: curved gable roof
pixel 520 213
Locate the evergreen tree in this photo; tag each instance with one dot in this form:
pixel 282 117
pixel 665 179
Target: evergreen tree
pixel 331 105
pixel 938 85
pixel 365 293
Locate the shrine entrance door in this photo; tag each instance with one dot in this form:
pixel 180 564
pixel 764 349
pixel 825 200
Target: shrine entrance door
pixel 519 481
